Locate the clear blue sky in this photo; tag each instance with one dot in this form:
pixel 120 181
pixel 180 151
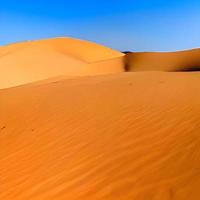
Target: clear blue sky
pixel 137 25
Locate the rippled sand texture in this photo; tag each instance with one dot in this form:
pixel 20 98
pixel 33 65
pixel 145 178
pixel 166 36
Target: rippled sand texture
pixel 112 137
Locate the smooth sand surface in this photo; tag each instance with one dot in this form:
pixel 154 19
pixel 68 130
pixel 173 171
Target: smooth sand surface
pixel 126 136
pixel 188 60
pixel 27 62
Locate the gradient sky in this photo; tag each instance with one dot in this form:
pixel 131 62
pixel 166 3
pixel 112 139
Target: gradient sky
pixel 132 25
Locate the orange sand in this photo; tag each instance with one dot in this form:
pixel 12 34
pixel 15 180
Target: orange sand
pixel 123 136
pixel 160 61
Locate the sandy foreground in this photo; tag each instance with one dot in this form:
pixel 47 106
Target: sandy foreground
pixel 120 136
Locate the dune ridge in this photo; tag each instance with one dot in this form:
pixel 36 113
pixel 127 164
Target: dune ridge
pixel 33 61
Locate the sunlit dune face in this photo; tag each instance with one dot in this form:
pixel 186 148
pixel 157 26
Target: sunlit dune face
pixel 27 62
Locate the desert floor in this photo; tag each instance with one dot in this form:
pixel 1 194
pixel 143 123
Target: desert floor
pixel 120 136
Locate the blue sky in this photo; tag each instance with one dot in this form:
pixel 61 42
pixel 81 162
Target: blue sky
pixel 135 25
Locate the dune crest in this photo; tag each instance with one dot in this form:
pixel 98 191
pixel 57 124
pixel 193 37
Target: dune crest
pixel 188 60
pixel 27 62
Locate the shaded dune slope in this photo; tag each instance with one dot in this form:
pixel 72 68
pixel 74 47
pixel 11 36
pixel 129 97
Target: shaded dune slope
pixel 130 136
pixel 27 62
pixel 164 61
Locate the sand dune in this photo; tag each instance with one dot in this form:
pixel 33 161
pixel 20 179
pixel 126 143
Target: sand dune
pixel 111 137
pixel 27 62
pixel 69 134
pixel 164 61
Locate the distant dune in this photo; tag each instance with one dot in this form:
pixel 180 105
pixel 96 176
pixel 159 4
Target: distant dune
pixel 27 62
pixel 112 137
pixel 188 60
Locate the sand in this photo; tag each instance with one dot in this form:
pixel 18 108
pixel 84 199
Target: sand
pixel 27 62
pixel 123 136
pixel 119 136
pixel 188 60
